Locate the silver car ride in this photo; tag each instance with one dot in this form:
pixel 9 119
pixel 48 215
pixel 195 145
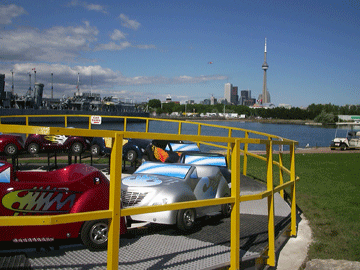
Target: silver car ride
pixel 156 183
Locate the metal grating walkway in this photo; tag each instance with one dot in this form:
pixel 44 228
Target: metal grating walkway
pixel 162 247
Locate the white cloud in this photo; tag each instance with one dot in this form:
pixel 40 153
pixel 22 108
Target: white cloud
pixel 112 46
pixel 86 5
pixel 126 22
pixel 54 44
pixel 117 35
pixel 9 12
pixel 95 78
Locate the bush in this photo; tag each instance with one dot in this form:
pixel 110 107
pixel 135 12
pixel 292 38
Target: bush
pixel 325 118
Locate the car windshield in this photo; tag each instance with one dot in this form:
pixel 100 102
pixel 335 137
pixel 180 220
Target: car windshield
pixel 165 169
pixel 182 147
pixel 205 160
pixel 5 173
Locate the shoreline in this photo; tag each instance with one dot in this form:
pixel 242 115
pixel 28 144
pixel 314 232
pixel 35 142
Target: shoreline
pixel 265 121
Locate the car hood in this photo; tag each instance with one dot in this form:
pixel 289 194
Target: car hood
pixel 149 180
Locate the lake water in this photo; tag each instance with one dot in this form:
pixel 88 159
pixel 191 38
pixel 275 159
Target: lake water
pixel 314 136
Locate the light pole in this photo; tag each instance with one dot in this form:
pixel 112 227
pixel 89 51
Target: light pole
pixel 29 84
pixel 52 86
pixel 12 82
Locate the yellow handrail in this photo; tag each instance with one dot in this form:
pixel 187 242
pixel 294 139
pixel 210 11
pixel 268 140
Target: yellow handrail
pixel 234 153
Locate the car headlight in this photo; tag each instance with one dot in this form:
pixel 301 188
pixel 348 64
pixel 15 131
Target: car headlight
pixel 161 202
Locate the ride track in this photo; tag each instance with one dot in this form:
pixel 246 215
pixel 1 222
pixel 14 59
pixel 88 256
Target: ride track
pixel 232 146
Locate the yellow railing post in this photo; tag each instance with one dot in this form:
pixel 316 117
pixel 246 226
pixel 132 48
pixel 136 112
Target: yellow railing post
pixel 199 133
pixel 65 124
pixel 26 123
pixel 147 126
pixel 125 124
pixel 114 203
pixel 245 153
pixel 199 129
pixel 89 121
pixel 235 213
pixel 293 190
pixel 179 128
pixel 281 173
pixel 271 206
pixel 229 146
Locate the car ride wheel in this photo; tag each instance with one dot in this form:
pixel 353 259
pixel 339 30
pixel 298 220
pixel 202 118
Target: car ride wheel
pixel 95 150
pixel 77 148
pixel 33 148
pixel 343 147
pixel 94 234
pixel 186 219
pixel 131 156
pixel 11 149
pixel 226 210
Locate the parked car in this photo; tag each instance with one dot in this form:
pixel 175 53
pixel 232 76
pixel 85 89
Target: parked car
pixel 99 147
pixel 11 144
pixel 156 183
pixel 36 143
pixel 347 138
pixel 68 190
pixel 134 149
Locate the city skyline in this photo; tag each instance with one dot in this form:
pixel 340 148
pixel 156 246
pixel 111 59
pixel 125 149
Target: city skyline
pixel 190 50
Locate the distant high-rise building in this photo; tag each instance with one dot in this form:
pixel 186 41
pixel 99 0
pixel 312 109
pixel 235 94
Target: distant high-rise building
pixel 227 92
pixel 249 102
pixel 168 99
pixel 265 97
pixel 234 98
pixel 244 95
pixel 205 102
pixel 231 94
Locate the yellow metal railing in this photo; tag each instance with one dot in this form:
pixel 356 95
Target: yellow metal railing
pixel 234 153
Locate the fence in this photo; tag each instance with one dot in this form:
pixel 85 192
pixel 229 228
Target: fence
pixel 230 144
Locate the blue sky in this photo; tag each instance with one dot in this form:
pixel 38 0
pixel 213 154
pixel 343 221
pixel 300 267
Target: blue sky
pixel 150 49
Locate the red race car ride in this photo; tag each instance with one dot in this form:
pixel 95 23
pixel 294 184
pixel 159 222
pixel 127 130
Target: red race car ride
pixel 73 189
pixel 11 144
pixel 36 143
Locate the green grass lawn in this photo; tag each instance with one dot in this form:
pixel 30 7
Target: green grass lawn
pixel 328 194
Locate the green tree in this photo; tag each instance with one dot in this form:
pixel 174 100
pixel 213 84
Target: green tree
pixel 325 118
pixel 154 103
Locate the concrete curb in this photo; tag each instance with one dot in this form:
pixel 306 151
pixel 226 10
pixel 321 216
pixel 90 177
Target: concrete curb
pixel 294 252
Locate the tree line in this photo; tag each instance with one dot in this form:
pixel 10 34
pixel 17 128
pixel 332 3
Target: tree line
pixel 323 113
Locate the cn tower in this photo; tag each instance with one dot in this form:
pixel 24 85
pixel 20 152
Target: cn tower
pixel 265 66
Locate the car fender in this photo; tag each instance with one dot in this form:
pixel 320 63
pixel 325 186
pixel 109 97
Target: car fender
pixel 177 192
pixel 34 140
pixel 127 147
pixel 87 203
pixel 223 189
pixel 185 195
pixel 3 143
pixel 71 140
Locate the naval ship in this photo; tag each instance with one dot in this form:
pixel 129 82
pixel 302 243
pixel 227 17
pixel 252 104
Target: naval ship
pixel 86 103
